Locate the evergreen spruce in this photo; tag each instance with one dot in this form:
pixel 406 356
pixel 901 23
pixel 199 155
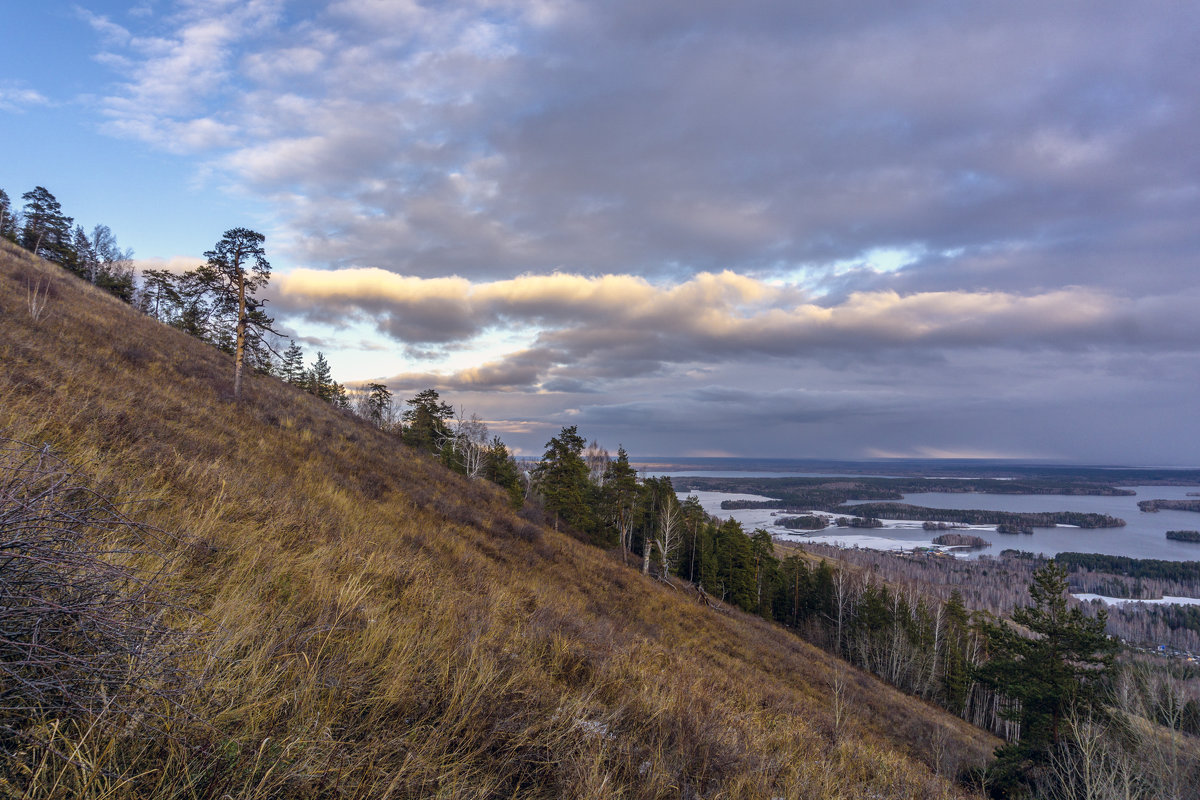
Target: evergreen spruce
pixel 47 231
pixel 292 369
pixel 500 468
pixel 425 421
pixel 320 379
pixel 1055 668
pixel 562 480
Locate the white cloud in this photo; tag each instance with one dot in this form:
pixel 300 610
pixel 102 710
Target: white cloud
pixel 111 32
pixel 16 98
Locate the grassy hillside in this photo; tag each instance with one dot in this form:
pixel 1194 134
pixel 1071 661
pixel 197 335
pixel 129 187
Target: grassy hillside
pixel 368 624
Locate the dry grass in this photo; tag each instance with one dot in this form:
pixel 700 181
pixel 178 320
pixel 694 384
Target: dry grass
pixel 376 626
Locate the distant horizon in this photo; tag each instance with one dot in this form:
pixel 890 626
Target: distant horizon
pixel 815 463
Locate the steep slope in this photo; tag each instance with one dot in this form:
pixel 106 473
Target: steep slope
pixel 371 625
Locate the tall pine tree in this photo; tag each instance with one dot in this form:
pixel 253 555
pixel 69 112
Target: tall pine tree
pixel 236 268
pixel 1055 665
pixel 562 480
pixel 47 230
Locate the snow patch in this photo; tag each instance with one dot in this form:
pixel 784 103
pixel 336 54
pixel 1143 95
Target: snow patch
pixel 1120 601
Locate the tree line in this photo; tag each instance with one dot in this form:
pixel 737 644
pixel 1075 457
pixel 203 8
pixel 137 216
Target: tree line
pixel 1011 519
pixel 820 492
pixel 218 303
pixel 1071 714
pixel 1153 506
pixel 41 227
pixel 1045 685
pixel 1183 572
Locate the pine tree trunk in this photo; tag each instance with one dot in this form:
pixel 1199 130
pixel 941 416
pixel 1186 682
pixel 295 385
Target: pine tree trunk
pixel 240 348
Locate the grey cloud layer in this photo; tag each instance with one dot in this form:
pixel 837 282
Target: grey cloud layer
pixel 493 138
pixel 711 179
pixel 591 330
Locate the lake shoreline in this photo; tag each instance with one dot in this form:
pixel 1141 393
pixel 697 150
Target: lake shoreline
pixel 1142 537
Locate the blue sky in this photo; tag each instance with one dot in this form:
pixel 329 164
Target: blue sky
pixel 692 227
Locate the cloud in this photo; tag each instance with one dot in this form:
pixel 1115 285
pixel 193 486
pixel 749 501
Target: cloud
pixel 495 138
pixel 176 264
pixel 110 32
pixel 15 97
pixel 959 221
pixel 173 78
pixel 586 330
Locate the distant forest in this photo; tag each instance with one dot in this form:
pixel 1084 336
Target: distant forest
pixel 1169 505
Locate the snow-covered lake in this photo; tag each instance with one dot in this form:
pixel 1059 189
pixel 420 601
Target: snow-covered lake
pixel 1120 601
pixel 1142 537
pixel 896 534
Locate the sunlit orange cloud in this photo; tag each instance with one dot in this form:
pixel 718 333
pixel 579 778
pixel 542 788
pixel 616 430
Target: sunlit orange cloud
pixel 708 307
pixel 576 330
pixel 527 294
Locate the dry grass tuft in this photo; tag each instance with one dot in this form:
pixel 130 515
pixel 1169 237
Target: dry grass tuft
pixel 378 627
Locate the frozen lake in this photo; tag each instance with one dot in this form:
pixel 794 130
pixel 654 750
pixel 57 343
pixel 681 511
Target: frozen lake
pixel 1120 601
pixel 1144 535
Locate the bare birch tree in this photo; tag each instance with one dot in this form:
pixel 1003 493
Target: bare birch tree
pixel 470 442
pixel 596 458
pixel 669 530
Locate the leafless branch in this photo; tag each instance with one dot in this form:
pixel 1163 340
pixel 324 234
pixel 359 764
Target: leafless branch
pixel 37 296
pixel 83 623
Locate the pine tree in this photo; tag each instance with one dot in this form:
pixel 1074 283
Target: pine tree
pixel 618 499
pixel 732 576
pixel 1056 668
pixel 766 568
pixel 562 480
pixel 500 468
pixel 956 665
pixel 292 369
pixel 792 592
pixel 425 421
pixel 378 405
pixel 47 230
pixel 341 398
pixel 320 379
pixel 8 218
pixel 83 263
pixel 236 268
pixel 693 518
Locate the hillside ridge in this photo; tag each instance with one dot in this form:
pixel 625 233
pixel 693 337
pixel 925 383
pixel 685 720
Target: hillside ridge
pixel 375 625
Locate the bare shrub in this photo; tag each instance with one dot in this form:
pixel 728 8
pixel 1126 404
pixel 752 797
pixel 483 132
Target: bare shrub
pixel 37 296
pixel 83 629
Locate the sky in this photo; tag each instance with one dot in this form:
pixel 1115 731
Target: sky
pixel 689 227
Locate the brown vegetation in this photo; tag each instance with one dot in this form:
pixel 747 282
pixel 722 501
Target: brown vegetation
pixel 371 625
